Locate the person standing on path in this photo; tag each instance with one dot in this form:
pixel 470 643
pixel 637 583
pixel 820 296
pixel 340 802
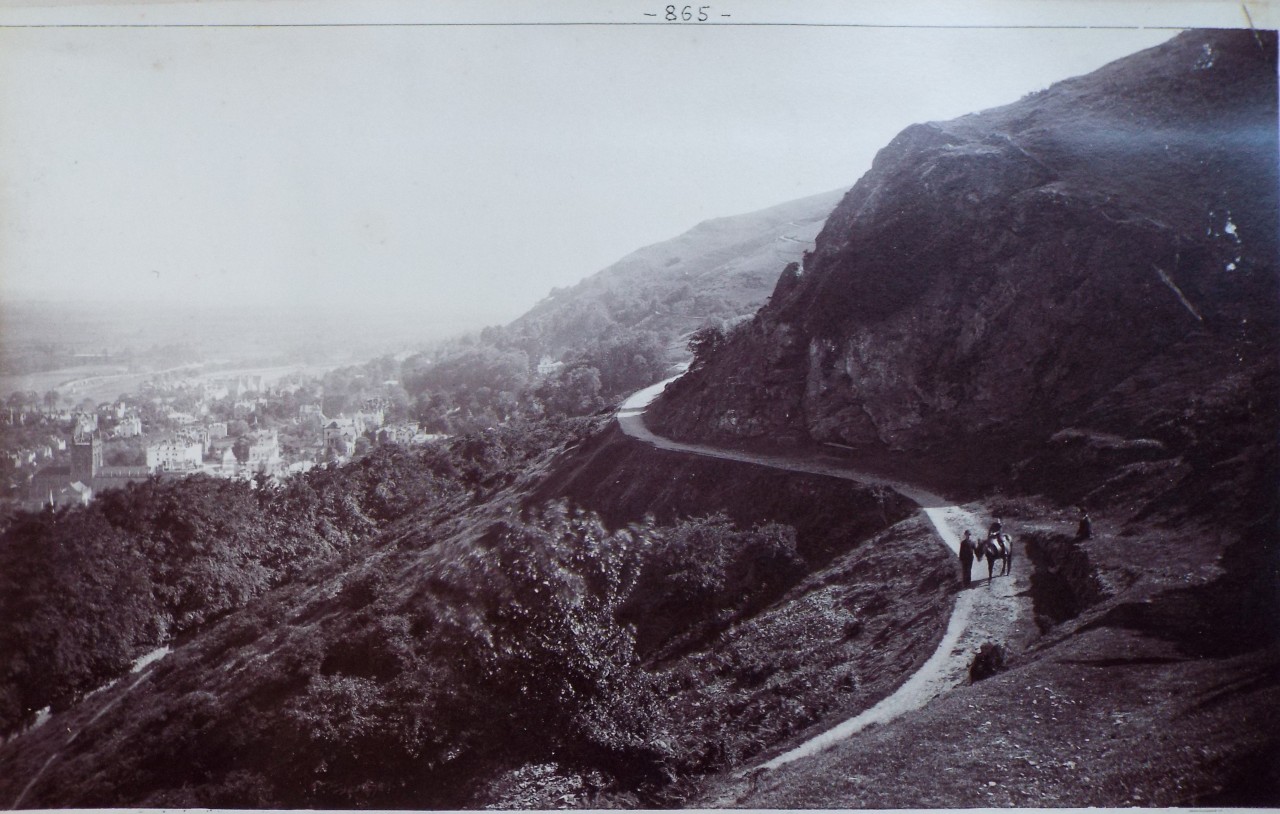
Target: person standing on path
pixel 967 549
pixel 1085 530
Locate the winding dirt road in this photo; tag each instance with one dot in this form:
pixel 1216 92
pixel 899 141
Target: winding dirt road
pixel 984 613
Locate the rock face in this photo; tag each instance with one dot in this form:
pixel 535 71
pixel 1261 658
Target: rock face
pixel 995 279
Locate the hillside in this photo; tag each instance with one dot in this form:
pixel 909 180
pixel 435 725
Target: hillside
pixel 719 270
pixel 1011 274
pixel 618 330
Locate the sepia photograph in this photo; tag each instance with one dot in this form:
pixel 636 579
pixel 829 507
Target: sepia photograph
pixel 631 405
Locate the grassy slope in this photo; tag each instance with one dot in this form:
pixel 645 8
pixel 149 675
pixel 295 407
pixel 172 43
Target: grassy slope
pixel 1138 689
pixel 837 643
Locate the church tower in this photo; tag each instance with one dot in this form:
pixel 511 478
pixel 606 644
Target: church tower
pixel 86 457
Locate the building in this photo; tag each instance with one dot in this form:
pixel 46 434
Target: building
pixel 548 366
pixel 182 419
pixel 340 435
pixel 311 415
pixel 263 454
pixel 221 463
pixel 195 435
pixel 372 418
pixel 175 455
pixel 129 427
pixel 48 485
pixel 59 494
pixel 401 433
pixel 86 456
pixel 234 387
pixel 116 477
pixel 84 422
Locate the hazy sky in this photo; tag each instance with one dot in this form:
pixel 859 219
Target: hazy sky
pixel 458 171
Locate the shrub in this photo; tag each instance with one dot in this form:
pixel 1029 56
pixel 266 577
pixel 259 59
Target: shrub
pixel 704 572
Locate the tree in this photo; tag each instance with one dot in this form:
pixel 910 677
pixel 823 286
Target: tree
pixel 575 392
pixel 51 399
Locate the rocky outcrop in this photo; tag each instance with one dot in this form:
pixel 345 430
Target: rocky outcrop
pixel 1064 581
pixel 996 279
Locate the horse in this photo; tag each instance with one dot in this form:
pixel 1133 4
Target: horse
pixel 996 547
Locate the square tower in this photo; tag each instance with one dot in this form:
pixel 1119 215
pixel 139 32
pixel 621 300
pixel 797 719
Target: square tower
pixel 86 456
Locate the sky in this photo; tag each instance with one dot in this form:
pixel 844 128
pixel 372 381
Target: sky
pixel 454 172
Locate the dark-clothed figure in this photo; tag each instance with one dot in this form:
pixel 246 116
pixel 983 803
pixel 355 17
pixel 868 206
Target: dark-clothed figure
pixel 996 527
pixel 1085 530
pixel 967 549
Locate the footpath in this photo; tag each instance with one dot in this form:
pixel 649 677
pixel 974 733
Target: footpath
pixel 986 612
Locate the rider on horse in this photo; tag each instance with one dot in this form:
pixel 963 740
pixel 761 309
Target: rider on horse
pixel 998 545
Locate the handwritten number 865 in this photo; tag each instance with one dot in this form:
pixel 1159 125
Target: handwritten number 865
pixel 686 14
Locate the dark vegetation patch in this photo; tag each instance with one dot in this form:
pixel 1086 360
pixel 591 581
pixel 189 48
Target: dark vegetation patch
pixel 1063 582
pixel 704 564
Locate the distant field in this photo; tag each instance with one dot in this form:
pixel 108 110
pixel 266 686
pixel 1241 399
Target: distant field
pixel 46 380
pixel 271 373
pixel 106 382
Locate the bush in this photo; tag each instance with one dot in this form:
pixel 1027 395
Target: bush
pixel 703 573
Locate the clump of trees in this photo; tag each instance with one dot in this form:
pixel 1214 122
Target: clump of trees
pixel 702 574
pixel 704 342
pixel 605 347
pixel 489 380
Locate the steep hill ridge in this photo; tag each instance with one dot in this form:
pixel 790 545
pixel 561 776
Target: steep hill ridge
pixel 720 269
pixel 994 279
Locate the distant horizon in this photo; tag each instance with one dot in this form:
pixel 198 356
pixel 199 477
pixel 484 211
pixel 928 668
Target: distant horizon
pixel 383 312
